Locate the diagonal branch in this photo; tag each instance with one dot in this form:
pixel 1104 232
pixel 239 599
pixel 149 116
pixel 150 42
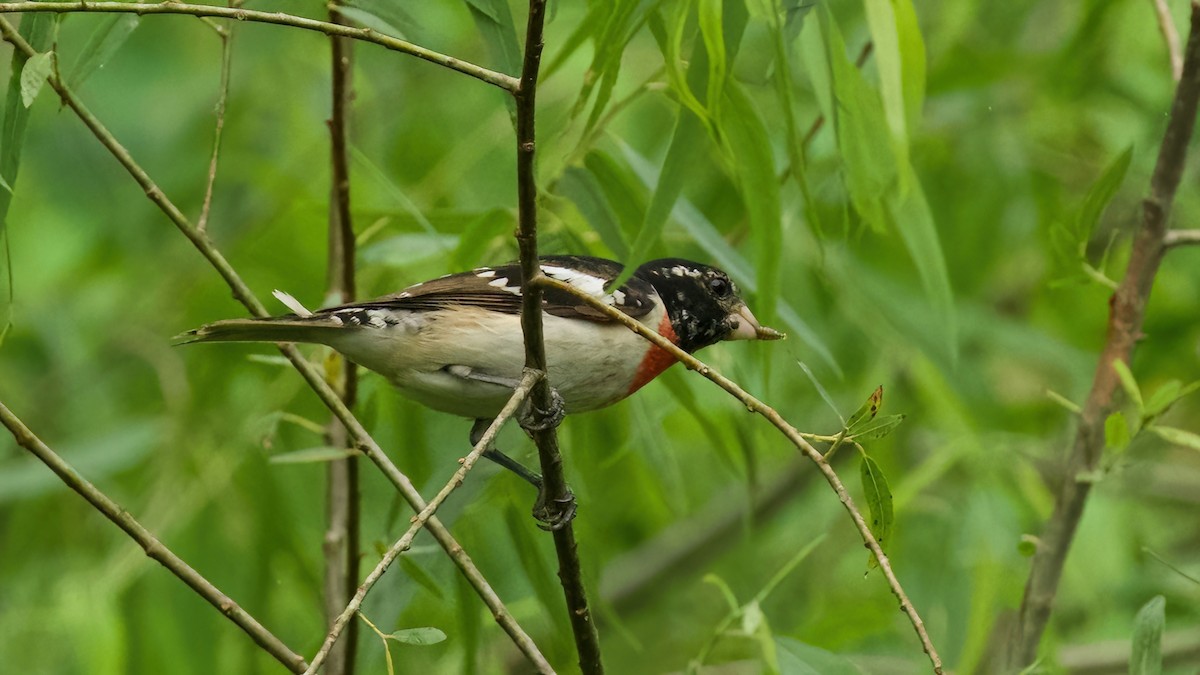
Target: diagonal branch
pixel 154 548
pixel 528 381
pixel 555 491
pixel 795 436
pixel 1166 26
pixel 506 82
pixel 311 374
pixel 1181 238
pixel 1127 311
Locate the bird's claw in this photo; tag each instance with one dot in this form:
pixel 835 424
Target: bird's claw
pixel 554 514
pixel 533 418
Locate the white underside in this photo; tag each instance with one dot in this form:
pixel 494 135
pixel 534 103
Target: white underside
pixel 591 365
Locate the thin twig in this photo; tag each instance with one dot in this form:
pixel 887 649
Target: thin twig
pixel 1166 25
pixel 226 35
pixel 154 548
pixel 1181 238
pixel 528 380
pixel 506 82
pixel 342 505
pixel 587 640
pixel 311 374
pixel 1127 310
pixel 796 437
pixel 820 121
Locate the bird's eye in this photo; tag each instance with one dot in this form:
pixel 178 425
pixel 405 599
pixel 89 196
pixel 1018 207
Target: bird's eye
pixel 719 286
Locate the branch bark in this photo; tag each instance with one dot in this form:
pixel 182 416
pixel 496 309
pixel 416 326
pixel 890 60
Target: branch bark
pixel 154 548
pixel 506 82
pixel 795 436
pixel 312 375
pixel 1127 310
pixel 583 626
pixel 530 378
pixel 1181 238
pixel 1166 26
pixel 342 504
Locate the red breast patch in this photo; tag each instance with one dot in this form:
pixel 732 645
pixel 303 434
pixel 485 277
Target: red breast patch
pixel 656 359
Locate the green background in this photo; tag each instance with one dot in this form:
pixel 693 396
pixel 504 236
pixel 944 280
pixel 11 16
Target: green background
pixel 1011 113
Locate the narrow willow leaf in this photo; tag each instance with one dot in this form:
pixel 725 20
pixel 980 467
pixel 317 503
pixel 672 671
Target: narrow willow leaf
pixel 881 19
pixel 418 636
pixel 370 20
pixel 1116 431
pixel 913 219
pixel 912 60
pixel 1163 397
pixel 1179 437
pixel 34 75
pixel 494 20
pixel 1099 196
pixel 313 455
pixel 754 164
pixel 110 33
pixel 797 658
pixel 622 20
pixel 388 12
pixel 582 188
pixel 670 40
pixel 686 150
pixel 1129 384
pixel 867 411
pixel 419 575
pixel 879 428
pixel 879 504
pixel 1148 625
pixel 711 31
pixel 479 235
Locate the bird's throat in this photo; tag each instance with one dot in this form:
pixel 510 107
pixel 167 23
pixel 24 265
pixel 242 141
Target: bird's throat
pixel 656 359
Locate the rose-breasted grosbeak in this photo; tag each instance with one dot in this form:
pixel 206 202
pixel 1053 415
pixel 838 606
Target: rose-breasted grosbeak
pixel 455 343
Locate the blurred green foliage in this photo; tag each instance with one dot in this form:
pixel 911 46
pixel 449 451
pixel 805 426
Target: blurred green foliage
pixel 951 205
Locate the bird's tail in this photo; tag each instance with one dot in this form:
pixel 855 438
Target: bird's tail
pixel 319 329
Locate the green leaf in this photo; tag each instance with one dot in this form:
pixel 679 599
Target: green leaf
pixel 582 188
pixel 879 503
pixel 479 235
pixel 494 20
pixel 797 658
pixel 787 569
pixel 110 33
pixel 867 411
pixel 712 33
pixel 1129 384
pixel 312 455
pixel 1148 625
pixel 879 428
pixel 418 636
pixel 1116 431
pixel 685 151
pixel 370 20
pixel 419 575
pixel 33 76
pixel 1179 437
pixel 881 19
pixel 1166 396
pixel 754 167
pixel 1099 196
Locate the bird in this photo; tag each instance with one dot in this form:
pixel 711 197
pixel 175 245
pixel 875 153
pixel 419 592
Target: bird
pixel 455 343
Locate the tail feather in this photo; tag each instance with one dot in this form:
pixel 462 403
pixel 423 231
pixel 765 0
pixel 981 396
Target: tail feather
pixel 280 329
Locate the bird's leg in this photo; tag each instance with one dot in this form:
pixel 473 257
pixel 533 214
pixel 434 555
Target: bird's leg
pixel 477 431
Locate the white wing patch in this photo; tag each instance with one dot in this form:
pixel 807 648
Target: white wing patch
pixel 485 273
pixel 502 283
pixel 593 286
pixel 292 304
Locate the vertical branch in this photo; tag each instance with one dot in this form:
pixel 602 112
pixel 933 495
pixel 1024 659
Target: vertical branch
pixel 587 640
pixel 1127 310
pixel 1166 26
pixel 342 492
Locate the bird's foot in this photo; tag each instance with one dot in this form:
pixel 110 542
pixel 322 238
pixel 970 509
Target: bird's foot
pixel 532 418
pixel 554 514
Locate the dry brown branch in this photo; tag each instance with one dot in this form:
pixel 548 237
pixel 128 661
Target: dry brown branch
pixel 528 380
pixel 587 640
pixel 311 374
pixel 506 82
pixel 1127 311
pixel 154 548
pixel 796 437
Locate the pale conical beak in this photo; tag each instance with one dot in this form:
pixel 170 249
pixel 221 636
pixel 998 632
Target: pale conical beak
pixel 746 327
